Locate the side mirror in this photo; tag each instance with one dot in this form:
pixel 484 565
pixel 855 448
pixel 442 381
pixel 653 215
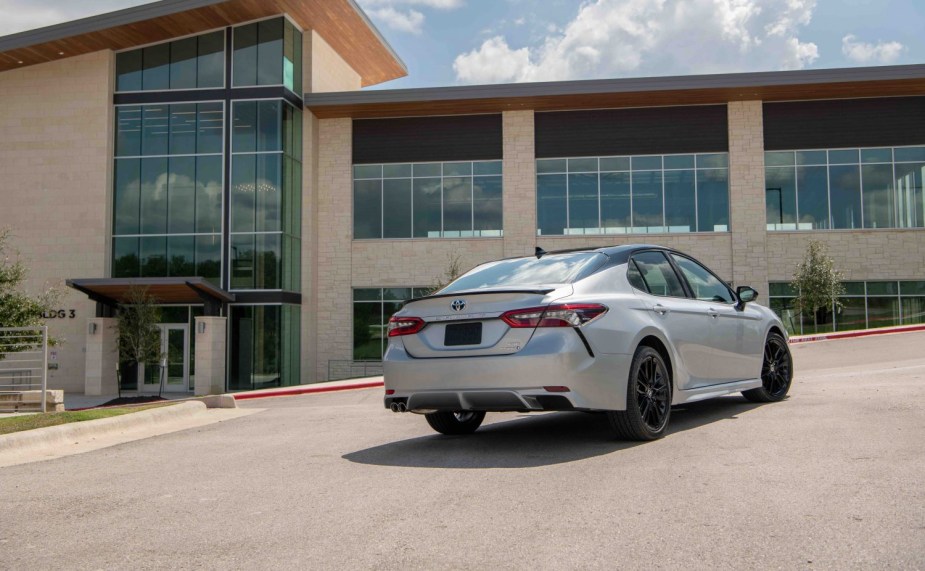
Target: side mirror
pixel 746 295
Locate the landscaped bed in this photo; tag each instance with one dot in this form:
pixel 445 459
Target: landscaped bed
pixel 33 421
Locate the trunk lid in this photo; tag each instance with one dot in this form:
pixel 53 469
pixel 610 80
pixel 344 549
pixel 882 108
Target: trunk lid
pixel 468 324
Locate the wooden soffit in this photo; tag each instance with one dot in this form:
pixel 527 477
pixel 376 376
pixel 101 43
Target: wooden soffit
pixel 115 291
pixel 340 22
pixel 605 94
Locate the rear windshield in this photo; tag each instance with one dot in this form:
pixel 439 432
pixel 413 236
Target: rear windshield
pixel 551 269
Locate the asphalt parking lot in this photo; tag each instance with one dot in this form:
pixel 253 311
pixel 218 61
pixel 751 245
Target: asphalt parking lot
pixel 829 479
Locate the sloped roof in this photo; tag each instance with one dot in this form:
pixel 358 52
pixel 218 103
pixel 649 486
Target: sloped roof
pixel 341 23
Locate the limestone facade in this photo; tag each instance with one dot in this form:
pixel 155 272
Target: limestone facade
pixel 55 195
pixel 55 180
pixel 746 255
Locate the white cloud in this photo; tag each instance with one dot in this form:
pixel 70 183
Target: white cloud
pixel 396 15
pixel 409 21
pixel 863 52
pixel 611 38
pixel 439 4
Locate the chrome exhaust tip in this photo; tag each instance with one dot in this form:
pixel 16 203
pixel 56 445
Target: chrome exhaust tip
pixel 395 407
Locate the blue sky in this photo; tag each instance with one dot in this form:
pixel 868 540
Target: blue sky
pixel 455 42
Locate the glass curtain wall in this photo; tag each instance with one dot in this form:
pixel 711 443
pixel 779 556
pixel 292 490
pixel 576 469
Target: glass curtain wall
pixel 372 309
pixel 265 346
pixel 168 187
pixel 427 200
pixel 845 188
pixel 169 181
pixel 268 53
pixel 189 63
pixel 633 194
pixel 865 305
pixel 266 196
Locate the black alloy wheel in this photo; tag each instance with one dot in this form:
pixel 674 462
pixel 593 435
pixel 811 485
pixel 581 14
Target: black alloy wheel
pixel 648 399
pixel 456 422
pixel 776 371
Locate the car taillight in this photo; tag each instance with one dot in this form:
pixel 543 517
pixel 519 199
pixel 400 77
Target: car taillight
pixel 564 315
pixel 399 326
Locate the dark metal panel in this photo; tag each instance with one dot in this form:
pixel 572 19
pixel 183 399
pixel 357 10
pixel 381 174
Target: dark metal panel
pixel 267 297
pixel 422 139
pixel 192 95
pixel 650 130
pixel 873 122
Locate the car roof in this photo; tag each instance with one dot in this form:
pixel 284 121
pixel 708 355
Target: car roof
pixel 617 254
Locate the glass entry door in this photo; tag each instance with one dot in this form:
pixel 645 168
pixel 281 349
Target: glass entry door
pixel 175 360
pixel 176 353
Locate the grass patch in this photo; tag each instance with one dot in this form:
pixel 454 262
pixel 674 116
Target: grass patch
pixel 33 421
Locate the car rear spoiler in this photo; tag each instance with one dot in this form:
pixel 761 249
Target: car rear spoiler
pixel 540 291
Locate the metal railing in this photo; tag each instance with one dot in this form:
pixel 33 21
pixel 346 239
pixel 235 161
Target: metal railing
pixel 340 370
pixel 23 361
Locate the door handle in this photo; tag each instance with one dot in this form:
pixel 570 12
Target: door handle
pixel 660 309
pixel 712 313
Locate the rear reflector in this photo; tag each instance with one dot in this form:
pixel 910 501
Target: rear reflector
pixel 399 326
pixel 390 391
pixel 564 315
pixel 557 389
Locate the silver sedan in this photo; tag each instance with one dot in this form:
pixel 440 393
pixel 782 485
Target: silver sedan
pixel 627 330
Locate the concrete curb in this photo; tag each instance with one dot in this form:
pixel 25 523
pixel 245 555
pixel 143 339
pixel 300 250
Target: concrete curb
pixel 853 334
pixel 311 389
pixel 65 434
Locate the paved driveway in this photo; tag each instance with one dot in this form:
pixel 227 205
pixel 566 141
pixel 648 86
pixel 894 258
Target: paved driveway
pixel 830 479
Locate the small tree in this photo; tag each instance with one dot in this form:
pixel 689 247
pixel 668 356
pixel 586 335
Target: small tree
pixel 453 270
pixel 139 336
pixel 816 281
pixel 17 308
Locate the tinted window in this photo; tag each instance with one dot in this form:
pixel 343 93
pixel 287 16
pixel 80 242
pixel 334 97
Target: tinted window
pixel 524 272
pixel 634 277
pixel 706 286
pixel 658 274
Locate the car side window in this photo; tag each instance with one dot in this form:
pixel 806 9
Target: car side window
pixel 658 275
pixel 705 285
pixel 634 277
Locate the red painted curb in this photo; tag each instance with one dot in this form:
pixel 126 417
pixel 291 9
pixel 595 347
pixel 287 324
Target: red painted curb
pixel 306 390
pixel 861 333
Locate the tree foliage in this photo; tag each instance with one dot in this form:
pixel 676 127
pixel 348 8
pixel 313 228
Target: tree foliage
pixel 18 308
pixel 453 270
pixel 139 335
pixel 816 281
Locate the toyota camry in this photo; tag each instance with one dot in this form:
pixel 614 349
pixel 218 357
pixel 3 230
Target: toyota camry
pixel 626 330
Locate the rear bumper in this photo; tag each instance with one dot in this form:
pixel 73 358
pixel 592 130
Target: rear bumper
pixel 510 382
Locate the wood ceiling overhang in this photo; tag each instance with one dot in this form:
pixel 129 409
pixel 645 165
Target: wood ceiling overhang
pixel 340 22
pixel 114 291
pixel 887 81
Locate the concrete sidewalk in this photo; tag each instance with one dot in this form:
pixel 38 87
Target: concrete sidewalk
pixel 856 333
pixel 79 437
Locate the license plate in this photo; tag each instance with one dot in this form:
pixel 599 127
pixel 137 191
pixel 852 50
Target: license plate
pixel 463 334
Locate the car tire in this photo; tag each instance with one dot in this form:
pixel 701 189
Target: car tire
pixel 455 423
pixel 648 399
pixel 776 371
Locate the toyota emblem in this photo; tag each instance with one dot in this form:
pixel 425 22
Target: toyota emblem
pixel 458 304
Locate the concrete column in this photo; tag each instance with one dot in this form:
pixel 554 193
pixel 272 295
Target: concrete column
pixel 519 183
pixel 747 217
pixel 334 295
pixel 102 357
pixel 211 357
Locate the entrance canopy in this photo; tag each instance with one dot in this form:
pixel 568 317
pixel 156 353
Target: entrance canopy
pixel 180 291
